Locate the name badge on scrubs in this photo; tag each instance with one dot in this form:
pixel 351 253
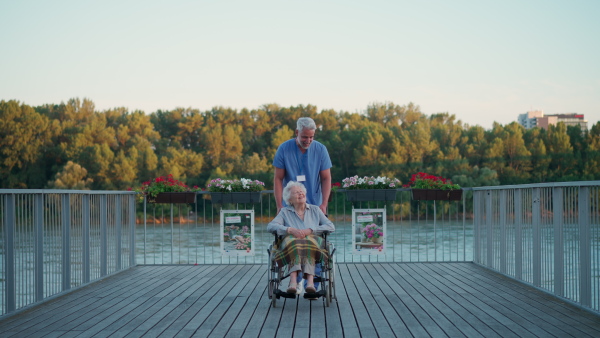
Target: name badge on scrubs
pixel 301 178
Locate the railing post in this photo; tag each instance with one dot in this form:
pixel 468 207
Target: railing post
pixel 145 224
pixel 585 267
pixel 119 226
pixel 85 213
pixel 503 246
pixel 477 226
pixel 490 231
pixel 537 240
pixel 66 241
pixel 39 247
pixel 103 236
pixel 559 254
pixel 519 234
pixel 9 255
pixel 131 229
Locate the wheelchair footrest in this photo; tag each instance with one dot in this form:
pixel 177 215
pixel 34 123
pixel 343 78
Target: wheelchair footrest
pixel 320 293
pixel 284 294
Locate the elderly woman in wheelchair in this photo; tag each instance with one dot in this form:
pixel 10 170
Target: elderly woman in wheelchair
pixel 298 228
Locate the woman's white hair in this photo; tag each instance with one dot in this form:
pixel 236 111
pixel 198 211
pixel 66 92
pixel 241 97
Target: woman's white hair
pixel 287 191
pixel 305 123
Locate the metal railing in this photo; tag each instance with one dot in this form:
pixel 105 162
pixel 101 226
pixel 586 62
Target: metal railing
pixel 547 235
pixel 55 240
pixel 417 231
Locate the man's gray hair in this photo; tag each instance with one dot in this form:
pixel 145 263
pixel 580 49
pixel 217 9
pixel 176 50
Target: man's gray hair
pixel 287 191
pixel 305 123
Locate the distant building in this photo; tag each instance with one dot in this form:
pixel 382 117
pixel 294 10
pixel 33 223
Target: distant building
pixel 529 119
pixel 536 118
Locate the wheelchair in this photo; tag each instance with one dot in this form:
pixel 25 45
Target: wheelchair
pixel 276 274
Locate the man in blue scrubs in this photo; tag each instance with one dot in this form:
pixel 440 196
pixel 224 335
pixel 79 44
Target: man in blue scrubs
pixel 304 160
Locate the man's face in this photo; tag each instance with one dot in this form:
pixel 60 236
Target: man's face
pixel 305 137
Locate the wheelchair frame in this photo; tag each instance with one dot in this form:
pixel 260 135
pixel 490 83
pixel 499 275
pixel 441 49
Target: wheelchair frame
pixel 275 275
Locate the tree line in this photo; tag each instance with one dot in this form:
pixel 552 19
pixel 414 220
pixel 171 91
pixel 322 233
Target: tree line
pixel 73 146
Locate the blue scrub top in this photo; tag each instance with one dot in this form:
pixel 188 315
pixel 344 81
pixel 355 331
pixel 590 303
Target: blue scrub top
pixel 311 163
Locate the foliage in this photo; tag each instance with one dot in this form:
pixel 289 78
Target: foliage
pixel 163 184
pixel 335 186
pixel 241 185
pixel 427 181
pixel 372 230
pixel 370 182
pixel 118 147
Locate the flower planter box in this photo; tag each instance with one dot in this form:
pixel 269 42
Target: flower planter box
pixel 436 195
pixel 173 197
pixel 371 195
pixel 235 197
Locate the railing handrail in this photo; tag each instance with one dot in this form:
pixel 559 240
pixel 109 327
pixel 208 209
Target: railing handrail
pixel 66 191
pixel 540 185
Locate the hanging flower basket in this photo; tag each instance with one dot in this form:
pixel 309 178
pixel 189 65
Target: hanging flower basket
pixel 173 197
pixel 235 191
pixel 235 197
pixel 436 195
pixel 371 195
pixel 166 189
pixel 426 187
pixel 361 188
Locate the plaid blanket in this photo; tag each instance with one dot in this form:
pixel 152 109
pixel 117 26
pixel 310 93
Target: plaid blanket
pixel 300 251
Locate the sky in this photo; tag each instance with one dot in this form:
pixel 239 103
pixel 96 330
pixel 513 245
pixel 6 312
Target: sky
pixel 480 60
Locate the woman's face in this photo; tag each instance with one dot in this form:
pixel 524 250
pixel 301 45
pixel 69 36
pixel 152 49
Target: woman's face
pixel 297 196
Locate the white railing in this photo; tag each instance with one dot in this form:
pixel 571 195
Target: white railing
pixel 55 240
pixel 547 235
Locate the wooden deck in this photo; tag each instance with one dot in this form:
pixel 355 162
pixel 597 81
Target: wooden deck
pixel 374 299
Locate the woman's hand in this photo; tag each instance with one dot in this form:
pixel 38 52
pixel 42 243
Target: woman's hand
pixel 299 233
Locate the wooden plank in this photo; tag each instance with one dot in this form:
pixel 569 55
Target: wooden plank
pixel 40 314
pixel 429 318
pixel 537 321
pixel 70 316
pixel 557 314
pixel 370 294
pixel 350 306
pixel 518 326
pixel 400 301
pixel 333 322
pixel 485 326
pixel 381 294
pixel 103 309
pixel 237 312
pixel 128 314
pixel 346 315
pixel 462 319
pixel 228 296
pixel 384 299
pixel 302 325
pixel 151 313
pixel 200 308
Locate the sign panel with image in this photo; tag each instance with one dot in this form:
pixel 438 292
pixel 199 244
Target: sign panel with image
pixel 237 232
pixel 369 231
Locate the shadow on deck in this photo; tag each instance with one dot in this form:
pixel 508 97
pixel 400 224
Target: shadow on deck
pixel 373 299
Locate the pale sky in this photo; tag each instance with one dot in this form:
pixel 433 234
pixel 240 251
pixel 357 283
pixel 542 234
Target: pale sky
pixel 480 60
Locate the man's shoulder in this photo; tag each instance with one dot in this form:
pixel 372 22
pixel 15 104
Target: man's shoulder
pixel 319 147
pixel 289 143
